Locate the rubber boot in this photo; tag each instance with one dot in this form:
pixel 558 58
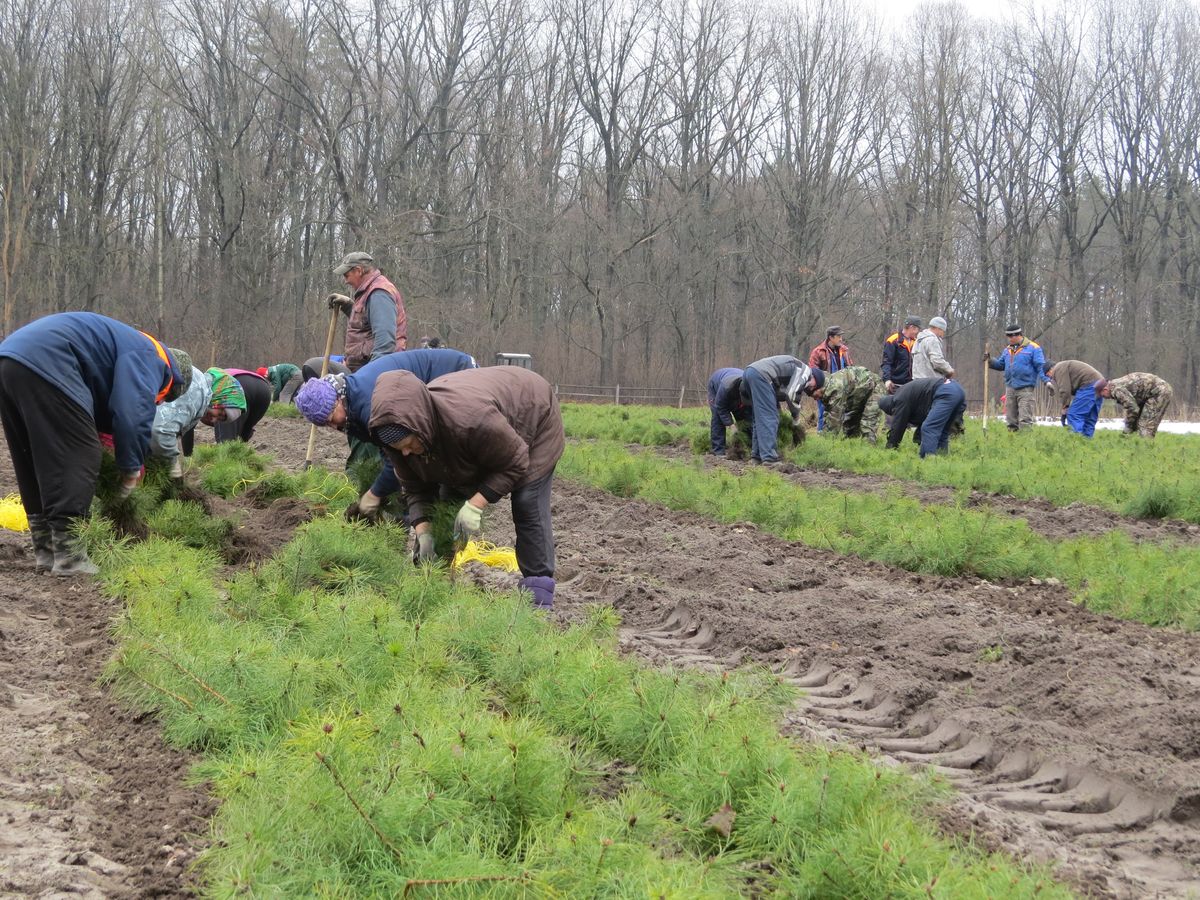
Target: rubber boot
pixel 542 588
pixel 69 556
pixel 43 544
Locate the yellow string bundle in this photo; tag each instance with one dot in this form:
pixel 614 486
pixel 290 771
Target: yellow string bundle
pixel 12 514
pixel 489 554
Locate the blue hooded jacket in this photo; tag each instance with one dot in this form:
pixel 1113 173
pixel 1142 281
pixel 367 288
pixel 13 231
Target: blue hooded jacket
pixel 725 394
pixel 109 369
pixel 426 364
pixel 1023 365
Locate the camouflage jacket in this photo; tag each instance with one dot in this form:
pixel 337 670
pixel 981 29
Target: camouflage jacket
pixel 847 385
pixel 1134 390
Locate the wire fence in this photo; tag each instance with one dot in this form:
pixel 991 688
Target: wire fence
pixel 625 394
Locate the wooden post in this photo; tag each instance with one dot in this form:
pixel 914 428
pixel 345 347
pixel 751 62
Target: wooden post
pixel 681 397
pixel 618 400
pixel 987 367
pixel 312 431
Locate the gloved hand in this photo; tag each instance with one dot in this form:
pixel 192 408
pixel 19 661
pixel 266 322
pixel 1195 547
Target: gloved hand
pixel 369 503
pixel 987 357
pixel 128 482
pixel 339 301
pixel 468 522
pixel 424 552
pixel 176 470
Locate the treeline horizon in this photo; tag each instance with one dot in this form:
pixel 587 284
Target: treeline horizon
pixel 634 192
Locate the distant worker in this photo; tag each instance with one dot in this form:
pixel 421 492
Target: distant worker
pixel 851 399
pixel 831 355
pixel 931 405
pixel 765 384
pixel 343 402
pixel 64 378
pixel 726 406
pixel 285 380
pixel 1023 365
pixel 312 369
pixel 488 433
pixel 896 368
pixel 176 418
pixel 1075 387
pixel 1143 397
pixel 378 324
pixel 431 342
pixel 929 353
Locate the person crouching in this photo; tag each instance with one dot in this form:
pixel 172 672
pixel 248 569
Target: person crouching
pixel 487 432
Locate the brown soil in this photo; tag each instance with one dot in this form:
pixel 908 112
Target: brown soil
pixel 92 802
pixel 1056 522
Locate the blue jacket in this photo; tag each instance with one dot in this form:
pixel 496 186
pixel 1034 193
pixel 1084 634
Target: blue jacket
pixel 725 394
pixel 897 359
pixel 109 369
pixel 425 364
pixel 1023 365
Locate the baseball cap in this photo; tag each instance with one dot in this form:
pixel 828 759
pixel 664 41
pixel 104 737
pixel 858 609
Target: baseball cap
pixel 352 259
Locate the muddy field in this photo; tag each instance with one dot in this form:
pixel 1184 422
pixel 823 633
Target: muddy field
pixel 1071 737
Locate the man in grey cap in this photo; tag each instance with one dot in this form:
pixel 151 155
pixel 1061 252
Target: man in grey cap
pixel 378 325
pixel 928 356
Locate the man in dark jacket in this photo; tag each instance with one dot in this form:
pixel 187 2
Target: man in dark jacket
pixel 932 405
pixel 1075 387
pixel 344 402
pixel 63 379
pixel 378 324
pixel 726 405
pixel 896 368
pixel 487 432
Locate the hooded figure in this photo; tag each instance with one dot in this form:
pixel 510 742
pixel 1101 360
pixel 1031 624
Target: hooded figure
pixel 65 378
pixel 486 432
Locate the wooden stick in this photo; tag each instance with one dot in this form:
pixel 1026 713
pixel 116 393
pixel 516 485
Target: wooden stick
pixel 312 431
pixel 987 366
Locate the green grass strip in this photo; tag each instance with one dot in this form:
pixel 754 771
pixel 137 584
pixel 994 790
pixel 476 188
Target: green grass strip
pixel 1124 474
pixel 377 730
pixel 1158 584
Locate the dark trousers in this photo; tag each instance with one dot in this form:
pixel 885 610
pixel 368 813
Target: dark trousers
pixel 535 536
pixel 766 415
pixel 949 402
pixel 53 443
pixel 258 398
pixel 311 368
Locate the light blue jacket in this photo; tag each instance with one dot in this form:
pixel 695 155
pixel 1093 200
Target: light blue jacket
pixel 180 416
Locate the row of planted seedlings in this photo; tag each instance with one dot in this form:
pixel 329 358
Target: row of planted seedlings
pixel 1154 583
pixel 1122 473
pixel 374 729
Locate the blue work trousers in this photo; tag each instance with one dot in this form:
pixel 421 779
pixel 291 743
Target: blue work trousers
pixel 766 416
pixel 1084 411
pixel 949 402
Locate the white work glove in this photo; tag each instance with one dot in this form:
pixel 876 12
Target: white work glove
pixel 368 504
pixel 128 482
pixel 176 470
pixel 424 551
pixel 468 522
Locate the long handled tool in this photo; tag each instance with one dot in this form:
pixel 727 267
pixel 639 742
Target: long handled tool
pixel 312 432
pixel 987 398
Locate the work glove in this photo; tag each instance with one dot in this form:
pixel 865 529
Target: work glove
pixel 468 522
pixel 128 482
pixel 176 470
pixel 339 301
pixel 424 552
pixel 987 357
pixel 369 503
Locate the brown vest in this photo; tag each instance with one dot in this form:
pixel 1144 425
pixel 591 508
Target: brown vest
pixel 360 340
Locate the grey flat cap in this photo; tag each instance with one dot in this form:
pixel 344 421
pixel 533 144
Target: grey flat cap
pixel 350 260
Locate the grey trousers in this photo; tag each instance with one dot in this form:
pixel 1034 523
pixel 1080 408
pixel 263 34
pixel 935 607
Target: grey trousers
pixel 1018 408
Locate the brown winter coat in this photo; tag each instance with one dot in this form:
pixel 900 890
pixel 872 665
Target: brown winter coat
pixel 488 430
pixel 1070 377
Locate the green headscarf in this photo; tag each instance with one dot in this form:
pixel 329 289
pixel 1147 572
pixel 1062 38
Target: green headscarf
pixel 225 390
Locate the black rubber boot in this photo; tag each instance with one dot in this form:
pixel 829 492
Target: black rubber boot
pixel 69 556
pixel 43 544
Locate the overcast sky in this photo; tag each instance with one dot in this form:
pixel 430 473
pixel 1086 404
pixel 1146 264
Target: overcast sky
pixel 894 12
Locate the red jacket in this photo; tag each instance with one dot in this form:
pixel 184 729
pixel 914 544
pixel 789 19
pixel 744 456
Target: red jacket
pixel 831 359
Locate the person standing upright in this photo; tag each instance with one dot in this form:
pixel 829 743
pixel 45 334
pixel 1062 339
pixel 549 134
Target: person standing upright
pixel 1023 365
pixel 378 324
pixel 896 368
pixel 929 354
pixel 831 355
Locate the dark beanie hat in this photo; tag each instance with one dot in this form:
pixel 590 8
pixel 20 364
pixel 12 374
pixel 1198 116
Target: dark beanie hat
pixel 816 381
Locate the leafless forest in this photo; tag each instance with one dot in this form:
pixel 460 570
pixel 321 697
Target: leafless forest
pixel 632 190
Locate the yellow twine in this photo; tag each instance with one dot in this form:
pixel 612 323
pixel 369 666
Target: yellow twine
pixel 489 554
pixel 12 514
